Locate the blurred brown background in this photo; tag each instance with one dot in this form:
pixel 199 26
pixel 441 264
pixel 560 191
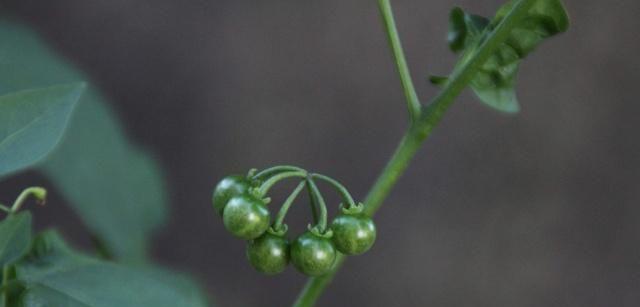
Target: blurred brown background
pixel 540 209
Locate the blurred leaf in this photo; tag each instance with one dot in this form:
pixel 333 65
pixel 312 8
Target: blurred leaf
pixel 114 187
pixel 438 80
pixel 463 26
pixel 188 288
pixel 494 83
pixel 55 275
pixel 32 123
pixel 15 237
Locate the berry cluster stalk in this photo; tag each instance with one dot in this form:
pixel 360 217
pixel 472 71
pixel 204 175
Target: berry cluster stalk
pixel 424 119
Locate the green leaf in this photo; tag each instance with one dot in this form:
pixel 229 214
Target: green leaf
pixel 464 27
pixel 15 237
pixel 494 83
pixel 188 288
pixel 32 122
pixel 55 275
pixel 114 186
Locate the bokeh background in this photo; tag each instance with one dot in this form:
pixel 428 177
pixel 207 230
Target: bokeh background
pixel 538 209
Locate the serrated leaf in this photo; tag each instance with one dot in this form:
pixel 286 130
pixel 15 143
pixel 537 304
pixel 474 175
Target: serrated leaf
pixel 55 275
pixel 494 83
pixel 15 237
pixel 32 123
pixel 115 187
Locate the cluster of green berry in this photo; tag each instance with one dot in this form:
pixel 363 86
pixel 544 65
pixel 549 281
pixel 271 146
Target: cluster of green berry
pixel 242 203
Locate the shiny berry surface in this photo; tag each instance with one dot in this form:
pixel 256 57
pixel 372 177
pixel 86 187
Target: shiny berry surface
pixel 246 217
pixel 269 253
pixel 313 255
pixel 353 235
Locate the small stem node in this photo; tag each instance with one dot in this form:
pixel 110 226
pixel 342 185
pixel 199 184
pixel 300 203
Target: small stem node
pixel 40 195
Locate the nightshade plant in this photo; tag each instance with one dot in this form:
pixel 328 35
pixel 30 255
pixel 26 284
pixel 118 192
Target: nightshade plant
pixel 490 54
pixel 54 123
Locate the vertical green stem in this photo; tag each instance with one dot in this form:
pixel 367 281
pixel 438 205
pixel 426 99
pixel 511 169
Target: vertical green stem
pixel 5 279
pixel 430 116
pixel 413 103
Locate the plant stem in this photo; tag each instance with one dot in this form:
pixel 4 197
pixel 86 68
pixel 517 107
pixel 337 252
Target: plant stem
pixel 395 167
pixel 40 194
pixel 286 205
pixel 344 193
pixel 5 279
pixel 319 201
pixel 275 170
pixel 413 103
pixel 314 205
pixel 264 188
pixel 417 133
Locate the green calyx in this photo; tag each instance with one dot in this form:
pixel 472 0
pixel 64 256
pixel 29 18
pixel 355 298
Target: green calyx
pixel 357 209
pixel 321 233
pixel 281 231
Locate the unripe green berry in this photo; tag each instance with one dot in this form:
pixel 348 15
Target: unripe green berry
pixel 246 217
pixel 228 188
pixel 353 234
pixel 268 254
pixel 313 255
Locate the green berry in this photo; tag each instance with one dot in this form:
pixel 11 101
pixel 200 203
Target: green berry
pixel 313 255
pixel 228 188
pixel 269 253
pixel 246 217
pixel 353 234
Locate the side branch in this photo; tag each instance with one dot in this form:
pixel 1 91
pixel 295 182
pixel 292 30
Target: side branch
pixel 413 103
pixel 428 118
